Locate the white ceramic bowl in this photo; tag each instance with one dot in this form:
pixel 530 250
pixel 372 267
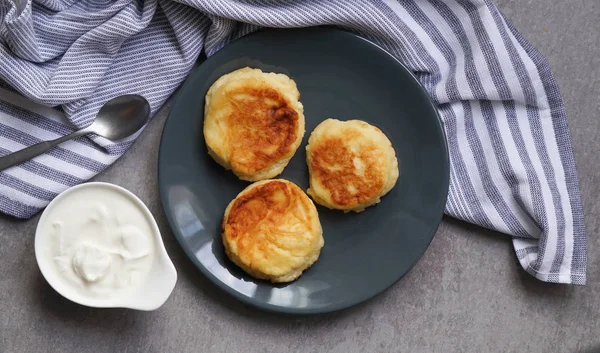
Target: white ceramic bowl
pixel 149 295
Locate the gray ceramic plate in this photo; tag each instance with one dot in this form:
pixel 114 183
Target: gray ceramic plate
pixel 339 75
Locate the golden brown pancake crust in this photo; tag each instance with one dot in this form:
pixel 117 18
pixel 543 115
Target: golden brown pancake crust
pixel 334 152
pixel 249 212
pixel 262 127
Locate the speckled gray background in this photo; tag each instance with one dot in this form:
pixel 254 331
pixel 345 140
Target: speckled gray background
pixel 467 294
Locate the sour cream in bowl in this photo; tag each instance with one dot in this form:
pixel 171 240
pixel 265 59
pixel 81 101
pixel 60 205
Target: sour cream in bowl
pixel 98 245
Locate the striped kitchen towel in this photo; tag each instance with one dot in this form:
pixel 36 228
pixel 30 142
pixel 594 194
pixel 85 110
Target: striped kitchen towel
pixel 512 167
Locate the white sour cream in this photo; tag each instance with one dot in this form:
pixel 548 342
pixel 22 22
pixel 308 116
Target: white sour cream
pixel 97 241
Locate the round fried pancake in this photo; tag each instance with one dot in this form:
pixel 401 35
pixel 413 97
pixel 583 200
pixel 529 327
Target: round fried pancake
pixel 352 164
pixel 253 122
pixel 272 231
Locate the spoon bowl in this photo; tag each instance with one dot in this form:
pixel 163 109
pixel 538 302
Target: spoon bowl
pixel 121 117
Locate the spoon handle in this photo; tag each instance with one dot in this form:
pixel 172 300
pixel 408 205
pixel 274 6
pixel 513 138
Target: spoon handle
pixel 35 150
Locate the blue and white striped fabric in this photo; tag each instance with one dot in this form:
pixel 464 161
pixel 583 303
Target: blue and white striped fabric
pixel 512 167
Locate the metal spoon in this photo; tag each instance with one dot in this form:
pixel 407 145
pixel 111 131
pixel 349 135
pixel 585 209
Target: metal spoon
pixel 118 118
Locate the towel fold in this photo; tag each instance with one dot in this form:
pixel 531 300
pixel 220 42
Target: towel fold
pixel 512 166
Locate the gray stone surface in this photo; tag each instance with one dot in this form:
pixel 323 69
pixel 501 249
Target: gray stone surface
pixel 467 294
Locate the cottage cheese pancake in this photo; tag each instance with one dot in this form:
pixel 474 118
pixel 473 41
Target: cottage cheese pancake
pixel 352 164
pixel 272 231
pixel 253 122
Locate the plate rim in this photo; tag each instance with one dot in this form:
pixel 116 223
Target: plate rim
pixel 285 309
